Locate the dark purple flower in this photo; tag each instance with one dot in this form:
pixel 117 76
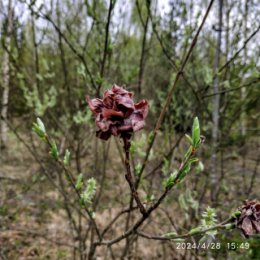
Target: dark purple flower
pixel 117 114
pixel 249 220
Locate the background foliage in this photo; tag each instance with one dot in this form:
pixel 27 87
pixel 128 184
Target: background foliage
pixel 54 53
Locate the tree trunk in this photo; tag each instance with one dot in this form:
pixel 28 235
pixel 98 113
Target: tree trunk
pixel 243 90
pixel 216 103
pixel 143 50
pixel 6 77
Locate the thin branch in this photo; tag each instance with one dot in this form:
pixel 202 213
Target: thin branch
pixel 72 183
pixel 170 93
pixel 142 57
pixel 111 6
pixel 168 155
pixel 252 182
pixel 110 224
pixel 237 53
pixel 233 89
pixel 79 55
pixel 203 231
pixel 129 177
pixel 139 223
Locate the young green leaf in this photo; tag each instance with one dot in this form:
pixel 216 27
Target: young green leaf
pixel 54 151
pixel 195 230
pixel 188 153
pixel 169 182
pixel 184 171
pixel 89 193
pixel 41 125
pixel 236 214
pixel 196 132
pixel 66 159
pixel 79 182
pixel 230 226
pixel 38 131
pixel 170 234
pixel 150 137
pixel 189 139
pixel 193 160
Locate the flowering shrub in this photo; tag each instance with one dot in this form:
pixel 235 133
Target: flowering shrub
pixel 117 114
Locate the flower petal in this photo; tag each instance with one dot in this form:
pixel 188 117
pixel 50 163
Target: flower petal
pixel 116 114
pixel 119 90
pixel 256 225
pixel 125 104
pixel 247 227
pixel 110 113
pixel 137 121
pixel 102 123
pixel 108 99
pixel 95 104
pixel 142 107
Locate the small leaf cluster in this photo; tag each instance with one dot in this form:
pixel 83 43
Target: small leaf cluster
pixel 189 158
pixel 195 140
pixel 54 151
pixel 90 191
pixel 138 146
pixel 66 159
pixel 209 220
pixel 39 128
pixel 187 200
pixel 79 182
pixel 170 181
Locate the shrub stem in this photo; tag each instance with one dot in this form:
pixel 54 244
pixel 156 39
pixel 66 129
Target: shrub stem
pixel 129 178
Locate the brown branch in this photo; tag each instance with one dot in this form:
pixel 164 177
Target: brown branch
pixel 68 173
pixel 252 182
pixel 142 57
pixel 170 93
pixel 167 156
pixel 145 216
pixel 129 177
pixel 156 237
pixel 233 89
pixel 158 125
pixel 237 53
pixel 74 50
pixel 111 6
pixel 72 183
pixel 110 224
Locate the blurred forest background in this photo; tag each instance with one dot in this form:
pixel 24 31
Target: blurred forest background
pixel 53 53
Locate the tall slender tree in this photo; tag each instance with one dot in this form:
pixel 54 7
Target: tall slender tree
pixel 216 102
pixel 6 76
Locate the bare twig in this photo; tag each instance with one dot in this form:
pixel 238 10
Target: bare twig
pixel 237 53
pixel 145 216
pixel 72 183
pixel 249 84
pixel 103 63
pixel 129 177
pixel 170 93
pixel 74 50
pixel 143 51
pixel 110 224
